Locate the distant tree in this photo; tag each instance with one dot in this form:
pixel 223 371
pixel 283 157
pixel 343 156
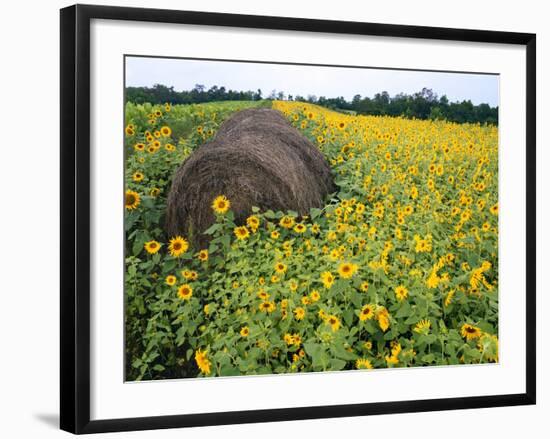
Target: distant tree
pixel 424 104
pixel 436 114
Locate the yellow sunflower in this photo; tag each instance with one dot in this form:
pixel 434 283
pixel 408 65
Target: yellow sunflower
pixel 287 222
pixel 267 307
pixel 131 200
pixel 165 131
pixel 383 317
pixel 185 292
pixel 170 280
pixel 315 295
pixel 401 292
pixel 154 192
pixel 363 363
pixel 327 278
pixel 221 204
pixel 334 322
pixel 203 363
pixel 152 247
pixel 253 222
pixel 241 233
pixel 178 246
pixel 470 332
pixel 300 228
pixel 299 313
pixel 347 269
pixel 366 313
pixel 203 255
pixel 280 267
pixel 423 326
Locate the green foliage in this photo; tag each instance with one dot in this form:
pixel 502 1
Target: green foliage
pixel 424 104
pixel 264 304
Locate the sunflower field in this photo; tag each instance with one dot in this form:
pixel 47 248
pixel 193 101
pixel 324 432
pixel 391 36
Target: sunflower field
pixel 398 269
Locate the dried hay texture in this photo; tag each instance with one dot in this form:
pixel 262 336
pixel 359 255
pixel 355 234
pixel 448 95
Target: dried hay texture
pixel 256 159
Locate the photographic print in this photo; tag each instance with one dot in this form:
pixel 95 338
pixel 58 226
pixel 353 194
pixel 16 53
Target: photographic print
pixel 284 218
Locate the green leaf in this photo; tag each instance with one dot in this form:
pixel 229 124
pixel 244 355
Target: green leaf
pixel 340 352
pixel 213 229
pixel 130 220
pixel 357 299
pixel 229 370
pixel 348 316
pixel 132 270
pixel 404 311
pixel 339 286
pixel 336 364
pixel 311 348
pixel 137 248
pixel 226 239
pixel 429 358
pixel 315 212
pixel 412 319
pixel 428 339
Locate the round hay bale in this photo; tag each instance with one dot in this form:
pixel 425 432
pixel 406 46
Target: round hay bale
pixel 256 159
pixel 252 116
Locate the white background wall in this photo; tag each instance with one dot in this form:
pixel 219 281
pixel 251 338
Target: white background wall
pixel 29 200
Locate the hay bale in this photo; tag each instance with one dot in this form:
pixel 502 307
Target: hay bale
pixel 252 116
pixel 256 159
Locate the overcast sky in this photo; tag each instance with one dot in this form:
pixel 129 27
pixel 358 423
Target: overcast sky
pixel 307 80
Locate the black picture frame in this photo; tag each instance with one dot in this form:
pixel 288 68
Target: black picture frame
pixel 75 217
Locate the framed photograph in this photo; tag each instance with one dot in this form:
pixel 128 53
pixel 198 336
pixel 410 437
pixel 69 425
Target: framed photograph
pixel 273 218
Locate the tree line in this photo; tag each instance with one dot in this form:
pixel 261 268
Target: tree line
pixel 424 104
